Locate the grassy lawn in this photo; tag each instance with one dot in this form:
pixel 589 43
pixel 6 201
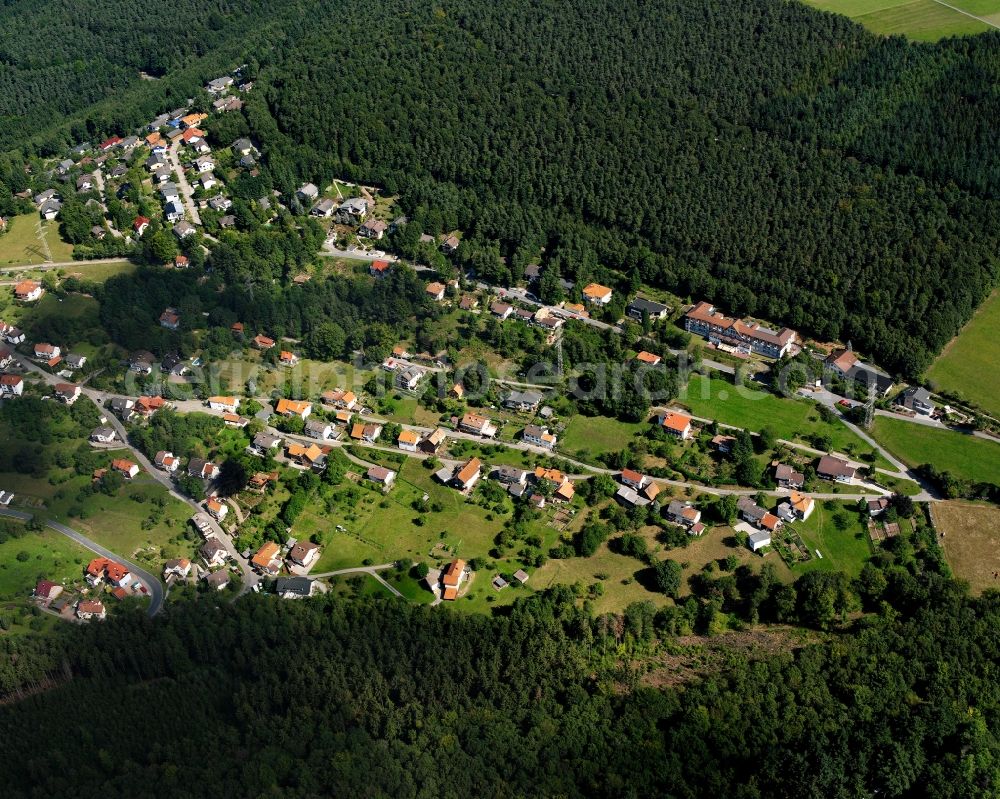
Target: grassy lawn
pixel 715 545
pixel 920 20
pixel 20 244
pixel 970 533
pixel 594 435
pixel 790 419
pixel 963 455
pixel 98 272
pixel 116 522
pixel 967 366
pixel 50 556
pixel 843 550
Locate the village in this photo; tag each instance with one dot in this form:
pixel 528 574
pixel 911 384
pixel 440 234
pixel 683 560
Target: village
pixel 518 436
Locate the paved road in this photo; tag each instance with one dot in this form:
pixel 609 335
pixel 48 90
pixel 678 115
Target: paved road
pixel 187 193
pixel 330 251
pixel 156 591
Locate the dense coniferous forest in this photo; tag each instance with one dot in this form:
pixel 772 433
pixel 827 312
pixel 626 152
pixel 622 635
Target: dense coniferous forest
pixel 779 161
pixel 330 697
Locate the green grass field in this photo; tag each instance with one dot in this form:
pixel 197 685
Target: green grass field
pixel 20 244
pixel 843 550
pixel 790 419
pixel 968 365
pixel 963 455
pixel 920 20
pixel 50 556
pixel 594 435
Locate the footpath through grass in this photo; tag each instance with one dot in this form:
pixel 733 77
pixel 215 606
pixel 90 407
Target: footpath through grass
pixel 968 365
pixel 965 456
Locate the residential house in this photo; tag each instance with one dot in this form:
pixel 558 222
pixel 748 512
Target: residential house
pixel 366 432
pixel 267 560
pixel 50 209
pixel 67 392
pixel 379 268
pixel 229 404
pixel 457 391
pixel 759 539
pixel 877 506
pixel 184 229
pixel 340 399
pixel 304 553
pixel 750 511
pixel 501 310
pixel 918 400
pixel 452 577
pixel 213 552
pixel 409 378
pixel 167 461
pixel 126 468
pixel 13 335
pixel 319 429
pixel 85 183
pixel 510 475
pixel 846 365
pixel 596 294
pixel 45 352
pixel 477 425
pixel 523 401
pixel 170 319
pixel 373 229
pixel 723 443
pixel 432 442
pixel 307 193
pixel 103 435
pixel 73 361
pixel 450 244
pixel 206 470
pixel 204 164
pixel 261 342
pixel 631 497
pixel 787 477
pixel 311 457
pixel 287 407
pixel 208 181
pixel 539 436
pixel 220 203
pixel 46 590
pixel 11 385
pixel 407 440
pixel 87 609
pixel 837 469
pixel 743 337
pixel 468 302
pixel 287 358
pixel 147 406
pixel 641 308
pixel 179 568
pixel 6 356
pixel 633 479
pixel 352 211
pixel 141 362
pixel 324 208
pixel 648 358
pixel 28 291
pixel 219 85
pixel 217 580
pixel 677 424
pixel 435 291
pixel 216 508
pixel 169 192
pixel 683 513
pixel 140 225
pixel 382 476
pixel 263 444
pixel 294 587
pixel 467 475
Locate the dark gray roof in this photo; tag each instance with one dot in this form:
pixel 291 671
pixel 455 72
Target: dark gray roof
pixel 294 585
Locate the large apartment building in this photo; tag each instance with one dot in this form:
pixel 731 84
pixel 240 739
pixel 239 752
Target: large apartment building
pixel 745 337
